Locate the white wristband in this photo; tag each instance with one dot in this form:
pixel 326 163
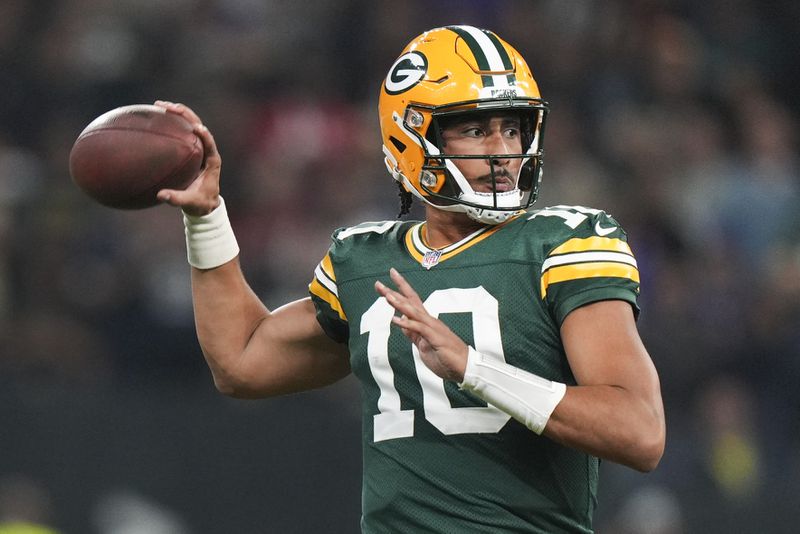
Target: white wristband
pixel 210 241
pixel 528 398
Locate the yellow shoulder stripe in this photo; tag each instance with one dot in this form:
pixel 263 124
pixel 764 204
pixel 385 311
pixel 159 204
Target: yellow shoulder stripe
pixel 318 290
pixel 327 266
pixel 592 243
pixel 577 271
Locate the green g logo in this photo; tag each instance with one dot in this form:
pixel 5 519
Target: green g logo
pixel 406 72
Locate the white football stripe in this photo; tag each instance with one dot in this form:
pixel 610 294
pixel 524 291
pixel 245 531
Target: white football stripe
pixel 582 257
pixel 325 280
pixel 492 56
pixel 487 46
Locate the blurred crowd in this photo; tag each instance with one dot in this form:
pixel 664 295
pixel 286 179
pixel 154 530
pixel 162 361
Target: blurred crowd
pixel 679 118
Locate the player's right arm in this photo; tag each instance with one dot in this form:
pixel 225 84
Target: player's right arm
pixel 251 351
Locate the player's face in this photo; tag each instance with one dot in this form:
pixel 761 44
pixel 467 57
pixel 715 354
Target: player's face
pixel 486 134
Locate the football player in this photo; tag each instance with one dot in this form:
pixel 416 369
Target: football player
pixel 496 346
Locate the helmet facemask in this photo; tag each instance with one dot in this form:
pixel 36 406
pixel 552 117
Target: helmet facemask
pixel 445 186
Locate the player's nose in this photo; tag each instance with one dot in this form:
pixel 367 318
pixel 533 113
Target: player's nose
pixel 498 148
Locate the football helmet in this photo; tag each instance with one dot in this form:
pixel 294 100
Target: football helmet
pixel 452 71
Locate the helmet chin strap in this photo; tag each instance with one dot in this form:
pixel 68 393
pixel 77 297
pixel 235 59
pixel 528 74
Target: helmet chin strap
pixel 481 215
pixel 491 216
pixel 505 199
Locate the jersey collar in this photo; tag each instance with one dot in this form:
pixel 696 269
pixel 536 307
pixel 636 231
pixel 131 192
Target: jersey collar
pixel 428 257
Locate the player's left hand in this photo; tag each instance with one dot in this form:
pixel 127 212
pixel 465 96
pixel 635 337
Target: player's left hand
pixel 440 349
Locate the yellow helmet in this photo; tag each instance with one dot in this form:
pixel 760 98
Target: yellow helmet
pixel 449 71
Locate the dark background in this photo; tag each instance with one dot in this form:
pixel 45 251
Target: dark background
pixel 680 118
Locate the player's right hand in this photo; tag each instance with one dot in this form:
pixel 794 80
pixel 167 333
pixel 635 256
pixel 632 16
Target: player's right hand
pixel 439 348
pixel 202 195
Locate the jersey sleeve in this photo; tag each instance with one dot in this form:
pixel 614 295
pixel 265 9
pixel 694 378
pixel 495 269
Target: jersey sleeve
pixel 352 250
pixel 593 263
pixel 325 296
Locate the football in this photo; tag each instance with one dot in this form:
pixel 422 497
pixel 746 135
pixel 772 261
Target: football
pixel 125 156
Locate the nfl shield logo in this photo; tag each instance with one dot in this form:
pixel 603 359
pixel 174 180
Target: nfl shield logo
pixel 431 258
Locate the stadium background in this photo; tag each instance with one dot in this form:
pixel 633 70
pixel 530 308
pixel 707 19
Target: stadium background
pixel 678 117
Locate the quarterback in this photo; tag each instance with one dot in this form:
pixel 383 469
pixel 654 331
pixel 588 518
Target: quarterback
pixel 496 345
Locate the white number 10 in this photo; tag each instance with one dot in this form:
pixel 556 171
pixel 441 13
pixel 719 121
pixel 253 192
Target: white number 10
pixel 393 422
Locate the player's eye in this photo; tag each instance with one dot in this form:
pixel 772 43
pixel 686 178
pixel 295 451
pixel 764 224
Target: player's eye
pixel 472 131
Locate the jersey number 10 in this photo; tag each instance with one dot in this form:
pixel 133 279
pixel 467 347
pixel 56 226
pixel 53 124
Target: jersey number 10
pixel 393 422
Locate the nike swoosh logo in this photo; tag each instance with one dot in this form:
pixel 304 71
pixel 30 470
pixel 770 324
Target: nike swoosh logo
pixel 602 230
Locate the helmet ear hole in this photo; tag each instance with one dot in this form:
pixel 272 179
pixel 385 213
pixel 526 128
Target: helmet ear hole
pixel 525 181
pixel 526 177
pixel 398 144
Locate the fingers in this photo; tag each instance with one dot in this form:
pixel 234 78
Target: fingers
pixel 209 145
pixel 191 202
pixel 405 300
pixel 173 197
pixel 413 330
pixel 202 195
pixel 194 202
pixel 404 287
pixel 212 158
pixel 414 318
pixel 400 302
pixel 442 351
pixel 200 198
pixel 180 109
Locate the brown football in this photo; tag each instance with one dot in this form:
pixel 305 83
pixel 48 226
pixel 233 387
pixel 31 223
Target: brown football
pixel 125 156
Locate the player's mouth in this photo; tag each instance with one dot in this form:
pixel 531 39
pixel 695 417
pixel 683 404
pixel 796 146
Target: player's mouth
pixel 503 182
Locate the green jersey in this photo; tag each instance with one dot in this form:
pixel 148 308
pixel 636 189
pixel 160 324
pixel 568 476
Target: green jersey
pixel 438 459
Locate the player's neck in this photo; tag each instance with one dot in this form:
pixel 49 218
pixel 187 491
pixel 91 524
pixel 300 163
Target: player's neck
pixel 444 228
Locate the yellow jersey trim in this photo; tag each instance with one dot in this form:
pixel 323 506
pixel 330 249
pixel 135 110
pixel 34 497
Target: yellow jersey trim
pixel 578 271
pixel 417 246
pixel 578 244
pixel 589 257
pixel 327 267
pixel 322 292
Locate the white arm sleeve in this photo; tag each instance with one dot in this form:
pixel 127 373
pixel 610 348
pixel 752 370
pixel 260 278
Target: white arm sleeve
pixel 528 398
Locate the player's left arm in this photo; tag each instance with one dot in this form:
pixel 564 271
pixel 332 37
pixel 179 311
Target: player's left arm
pixel 615 411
